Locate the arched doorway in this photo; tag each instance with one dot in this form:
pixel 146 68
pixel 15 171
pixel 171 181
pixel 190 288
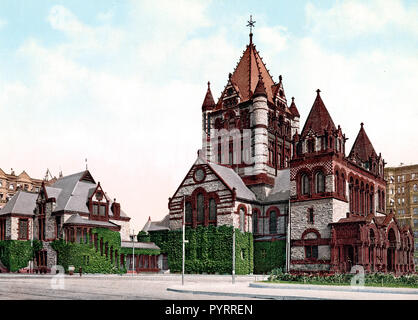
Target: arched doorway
pixel 391 251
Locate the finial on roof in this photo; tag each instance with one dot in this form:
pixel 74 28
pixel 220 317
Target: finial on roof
pixel 362 124
pixel 318 91
pixel 293 99
pixel 280 78
pixel 208 84
pixel 251 24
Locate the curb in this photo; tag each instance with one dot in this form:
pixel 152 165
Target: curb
pixel 332 288
pixel 245 295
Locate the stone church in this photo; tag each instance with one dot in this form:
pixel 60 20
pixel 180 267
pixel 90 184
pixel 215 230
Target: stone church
pixel 259 172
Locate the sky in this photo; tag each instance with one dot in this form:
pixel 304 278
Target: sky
pixel 121 83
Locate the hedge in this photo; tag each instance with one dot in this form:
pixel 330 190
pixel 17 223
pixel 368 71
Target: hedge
pixel 269 255
pixel 16 254
pixel 209 249
pixel 345 279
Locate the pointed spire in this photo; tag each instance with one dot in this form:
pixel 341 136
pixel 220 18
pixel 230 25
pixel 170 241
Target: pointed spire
pixel 362 146
pixel 293 109
pixel 208 102
pixel 246 74
pixel 319 118
pixel 260 90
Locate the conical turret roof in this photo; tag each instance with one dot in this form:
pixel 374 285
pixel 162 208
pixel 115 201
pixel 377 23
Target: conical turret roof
pixel 362 147
pixel 208 102
pixel 247 73
pixel 293 109
pixel 319 118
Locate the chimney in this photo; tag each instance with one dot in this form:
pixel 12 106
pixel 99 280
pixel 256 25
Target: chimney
pixel 116 209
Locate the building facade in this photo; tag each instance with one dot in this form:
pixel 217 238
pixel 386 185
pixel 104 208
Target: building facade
pixel 402 196
pixel 73 209
pixel 10 183
pixel 259 173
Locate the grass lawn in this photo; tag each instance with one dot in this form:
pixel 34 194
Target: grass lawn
pixel 385 285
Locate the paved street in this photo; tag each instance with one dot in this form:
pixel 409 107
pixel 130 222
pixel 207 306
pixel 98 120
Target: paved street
pixel 102 287
pixel 168 287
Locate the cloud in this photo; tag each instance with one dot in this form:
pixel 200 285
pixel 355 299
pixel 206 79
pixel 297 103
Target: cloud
pixel 353 18
pixel 128 97
pixel 2 23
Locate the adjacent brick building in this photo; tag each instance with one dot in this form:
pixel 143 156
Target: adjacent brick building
pixel 10 183
pixel 402 196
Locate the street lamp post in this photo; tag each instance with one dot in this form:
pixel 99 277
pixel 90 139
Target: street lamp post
pixel 233 254
pixel 184 241
pixel 133 252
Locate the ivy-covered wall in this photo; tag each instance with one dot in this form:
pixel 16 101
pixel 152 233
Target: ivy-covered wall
pixel 86 256
pixel 269 255
pixel 209 249
pixel 16 254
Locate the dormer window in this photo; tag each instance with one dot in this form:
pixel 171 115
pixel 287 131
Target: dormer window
pixel 98 204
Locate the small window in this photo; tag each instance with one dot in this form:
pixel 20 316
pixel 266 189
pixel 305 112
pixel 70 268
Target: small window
pixel 311 215
pixel 102 211
pixel 200 208
pixel 23 229
pixel 189 215
pixel 242 219
pixel 311 252
pixel 273 222
pixel 212 209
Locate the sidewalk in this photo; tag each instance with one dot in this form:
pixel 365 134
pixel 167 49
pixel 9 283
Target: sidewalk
pixel 296 292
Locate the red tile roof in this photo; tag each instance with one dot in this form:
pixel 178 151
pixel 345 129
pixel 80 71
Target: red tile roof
pixel 362 147
pixel 319 118
pixel 246 74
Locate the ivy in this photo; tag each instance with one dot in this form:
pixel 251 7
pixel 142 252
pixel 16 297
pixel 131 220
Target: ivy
pixel 209 249
pixel 269 255
pixel 143 237
pixel 16 254
pixel 86 256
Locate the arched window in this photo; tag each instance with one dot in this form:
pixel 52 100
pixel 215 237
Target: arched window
pixel 200 208
pixel 212 210
pixel 189 213
pixel 319 182
pixel 242 219
pixel 273 222
pixel 343 183
pixel 305 185
pixel 337 183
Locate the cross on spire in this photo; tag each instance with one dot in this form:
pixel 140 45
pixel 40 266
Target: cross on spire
pixel 251 24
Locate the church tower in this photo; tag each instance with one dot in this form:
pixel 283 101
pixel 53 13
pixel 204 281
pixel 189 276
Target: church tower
pixel 317 197
pixel 250 127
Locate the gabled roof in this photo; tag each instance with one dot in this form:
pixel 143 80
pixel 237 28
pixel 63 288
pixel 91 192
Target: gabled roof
pixel 362 147
pixel 74 193
pixel 319 118
pixel 232 180
pixel 23 202
pixel 208 102
pixel 24 176
pixel 246 74
pixel 164 224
